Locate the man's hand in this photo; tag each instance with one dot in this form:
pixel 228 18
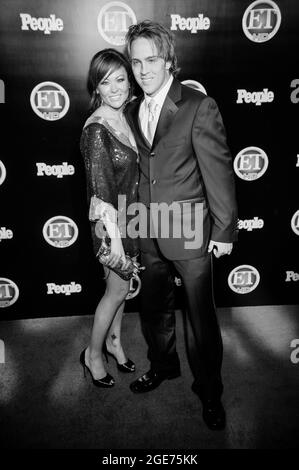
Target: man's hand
pixel 220 249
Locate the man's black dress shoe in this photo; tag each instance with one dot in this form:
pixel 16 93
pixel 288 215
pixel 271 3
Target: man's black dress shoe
pixel 151 380
pixel 213 414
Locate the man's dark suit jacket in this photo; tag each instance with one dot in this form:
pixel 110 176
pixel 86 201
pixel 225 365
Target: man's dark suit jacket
pixel 189 161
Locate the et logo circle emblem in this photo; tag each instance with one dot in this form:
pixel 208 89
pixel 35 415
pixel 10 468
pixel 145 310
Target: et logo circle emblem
pixel 60 231
pixel 295 223
pixel 261 21
pixel 114 20
pixel 243 279
pixel 195 85
pixel 9 292
pixel 2 172
pixel 251 163
pixel 49 101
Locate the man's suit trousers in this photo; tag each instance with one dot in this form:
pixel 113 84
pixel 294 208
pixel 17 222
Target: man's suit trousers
pixel 204 342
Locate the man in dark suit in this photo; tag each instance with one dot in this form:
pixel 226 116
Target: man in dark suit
pixel 184 163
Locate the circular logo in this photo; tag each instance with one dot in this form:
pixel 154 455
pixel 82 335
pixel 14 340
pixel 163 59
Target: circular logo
pixel 251 163
pixel 135 286
pixel 261 20
pixel 243 279
pixel 2 172
pixel 9 292
pixel 196 85
pixel 49 101
pixel 295 223
pixel 60 231
pixel 114 20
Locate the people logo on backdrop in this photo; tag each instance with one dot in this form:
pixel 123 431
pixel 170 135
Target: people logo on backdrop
pixel 49 101
pixel 255 97
pixel 114 20
pixel 295 223
pixel 194 84
pixel 66 289
pixel 60 231
pixel 2 172
pixel 261 20
pixel 250 224
pixel 251 163
pixel 9 292
pixel 5 234
pixel 243 279
pixel 193 25
pixel 291 276
pixel 46 25
pixel 59 171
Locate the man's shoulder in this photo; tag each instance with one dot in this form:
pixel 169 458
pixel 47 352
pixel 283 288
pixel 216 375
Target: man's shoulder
pixel 192 94
pixel 197 99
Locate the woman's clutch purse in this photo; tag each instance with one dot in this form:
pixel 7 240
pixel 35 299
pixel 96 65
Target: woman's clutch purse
pixel 99 211
pixel 132 270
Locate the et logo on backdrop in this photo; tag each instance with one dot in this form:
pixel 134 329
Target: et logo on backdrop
pixel 9 292
pixel 295 223
pixel 60 231
pixel 261 21
pixel 251 163
pixel 2 172
pixel 243 279
pixel 195 85
pixel 49 101
pixel 114 20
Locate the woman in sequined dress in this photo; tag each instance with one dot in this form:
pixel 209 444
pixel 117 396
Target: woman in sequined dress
pixel 111 163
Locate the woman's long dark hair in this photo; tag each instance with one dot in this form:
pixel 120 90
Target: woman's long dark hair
pixel 103 62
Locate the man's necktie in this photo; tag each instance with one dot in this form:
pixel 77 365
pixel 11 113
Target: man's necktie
pixel 151 125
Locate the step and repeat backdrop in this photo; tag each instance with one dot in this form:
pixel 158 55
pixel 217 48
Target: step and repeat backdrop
pixel 242 53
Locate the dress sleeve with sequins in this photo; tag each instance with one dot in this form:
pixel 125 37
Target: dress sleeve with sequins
pixel 100 172
pixel 111 170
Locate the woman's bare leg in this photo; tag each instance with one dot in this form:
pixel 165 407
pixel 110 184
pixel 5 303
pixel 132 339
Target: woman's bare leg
pixel 107 309
pixel 113 340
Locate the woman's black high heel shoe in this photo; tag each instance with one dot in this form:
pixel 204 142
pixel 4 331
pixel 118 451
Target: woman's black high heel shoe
pixel 106 382
pixel 127 366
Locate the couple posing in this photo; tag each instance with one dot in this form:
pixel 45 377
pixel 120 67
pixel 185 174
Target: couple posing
pixel 167 145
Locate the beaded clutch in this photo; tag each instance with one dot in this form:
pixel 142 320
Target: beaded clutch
pixel 103 256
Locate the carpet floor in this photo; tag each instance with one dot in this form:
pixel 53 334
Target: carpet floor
pixel 46 403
